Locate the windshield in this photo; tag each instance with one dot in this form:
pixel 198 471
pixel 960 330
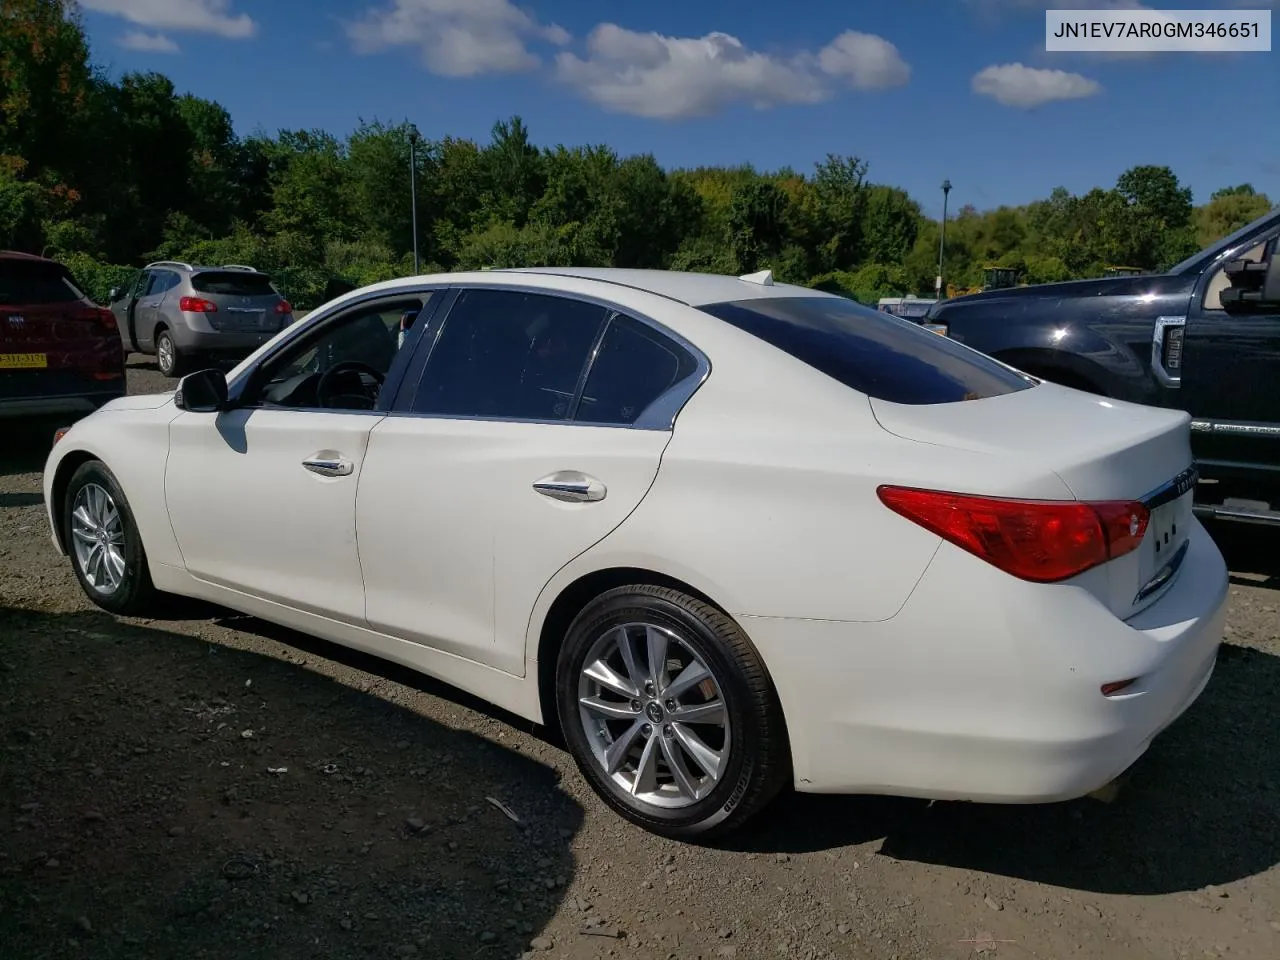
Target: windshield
pixel 874 353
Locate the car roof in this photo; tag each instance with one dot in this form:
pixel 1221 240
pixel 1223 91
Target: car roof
pixel 26 257
pixel 207 268
pixel 692 289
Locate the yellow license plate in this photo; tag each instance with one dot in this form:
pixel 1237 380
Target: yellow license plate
pixel 23 361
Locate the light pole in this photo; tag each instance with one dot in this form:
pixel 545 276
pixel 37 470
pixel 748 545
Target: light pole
pixel 413 191
pixel 942 240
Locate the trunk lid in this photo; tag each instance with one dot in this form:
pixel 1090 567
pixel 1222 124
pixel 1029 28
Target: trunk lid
pixel 246 301
pixel 1101 449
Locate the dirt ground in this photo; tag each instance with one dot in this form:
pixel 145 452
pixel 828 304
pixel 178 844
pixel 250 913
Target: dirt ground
pixel 217 787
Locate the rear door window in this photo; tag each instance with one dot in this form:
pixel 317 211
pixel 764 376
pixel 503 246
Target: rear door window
pixel 874 353
pixel 633 367
pixel 510 355
pixel 231 283
pixel 28 283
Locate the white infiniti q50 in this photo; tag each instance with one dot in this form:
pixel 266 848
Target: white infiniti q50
pixel 729 534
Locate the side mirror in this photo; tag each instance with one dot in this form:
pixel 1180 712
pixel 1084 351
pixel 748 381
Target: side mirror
pixel 204 391
pixel 115 294
pixel 1255 287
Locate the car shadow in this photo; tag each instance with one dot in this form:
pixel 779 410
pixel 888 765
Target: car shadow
pixel 162 795
pixel 27 443
pixel 366 663
pixel 1198 810
pixel 1250 552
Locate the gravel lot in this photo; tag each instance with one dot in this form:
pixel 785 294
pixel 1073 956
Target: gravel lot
pixel 141 817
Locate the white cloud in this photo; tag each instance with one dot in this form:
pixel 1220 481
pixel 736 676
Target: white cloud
pixel 1017 85
pixel 661 77
pixel 148 42
pixel 458 38
pixel 866 61
pixel 194 16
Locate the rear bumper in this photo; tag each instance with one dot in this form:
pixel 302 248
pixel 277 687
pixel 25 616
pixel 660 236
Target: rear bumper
pixel 228 344
pixel 62 399
pixel 987 689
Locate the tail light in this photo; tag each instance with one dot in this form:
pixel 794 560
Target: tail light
pixel 103 317
pixel 197 305
pixel 1043 541
pixel 284 308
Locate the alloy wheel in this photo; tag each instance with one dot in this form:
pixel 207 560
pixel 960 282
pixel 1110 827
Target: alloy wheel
pixel 654 715
pixel 97 533
pixel 165 354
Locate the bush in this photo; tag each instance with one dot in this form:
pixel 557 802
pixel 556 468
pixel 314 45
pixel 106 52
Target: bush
pixel 96 279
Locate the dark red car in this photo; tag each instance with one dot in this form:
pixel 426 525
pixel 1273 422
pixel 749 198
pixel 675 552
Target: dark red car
pixel 60 353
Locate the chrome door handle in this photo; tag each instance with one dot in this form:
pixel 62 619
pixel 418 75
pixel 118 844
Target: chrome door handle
pixel 329 467
pixel 571 487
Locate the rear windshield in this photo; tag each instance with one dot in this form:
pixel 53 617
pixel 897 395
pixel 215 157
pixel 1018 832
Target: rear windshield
pixel 874 353
pixel 233 284
pixel 26 283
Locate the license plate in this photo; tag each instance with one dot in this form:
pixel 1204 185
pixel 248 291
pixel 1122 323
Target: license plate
pixel 23 361
pixel 1168 530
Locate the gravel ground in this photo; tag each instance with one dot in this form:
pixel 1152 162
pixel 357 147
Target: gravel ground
pixel 217 787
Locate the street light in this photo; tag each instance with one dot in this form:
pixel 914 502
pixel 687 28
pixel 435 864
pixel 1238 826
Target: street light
pixel 413 190
pixel 942 241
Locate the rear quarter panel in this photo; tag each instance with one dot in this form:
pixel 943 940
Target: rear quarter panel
pixel 766 501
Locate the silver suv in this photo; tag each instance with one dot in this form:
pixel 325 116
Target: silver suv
pixel 185 314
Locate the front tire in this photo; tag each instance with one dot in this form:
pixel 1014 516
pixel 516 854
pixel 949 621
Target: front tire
pixel 102 538
pixel 669 713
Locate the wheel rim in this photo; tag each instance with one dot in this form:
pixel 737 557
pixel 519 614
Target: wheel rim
pixel 97 534
pixel 164 349
pixel 654 715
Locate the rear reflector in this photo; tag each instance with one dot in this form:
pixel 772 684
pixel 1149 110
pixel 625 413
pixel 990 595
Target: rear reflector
pixel 1043 541
pixel 1117 686
pixel 197 305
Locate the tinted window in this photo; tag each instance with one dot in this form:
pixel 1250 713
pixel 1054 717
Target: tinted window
pixel 872 352
pixel 232 283
pixel 508 354
pixel 31 282
pixel 635 365
pixel 165 281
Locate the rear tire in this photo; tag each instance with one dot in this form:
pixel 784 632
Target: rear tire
pixel 690 747
pixel 168 358
pixel 102 539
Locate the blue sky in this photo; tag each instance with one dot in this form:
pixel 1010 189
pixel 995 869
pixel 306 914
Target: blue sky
pixel 954 89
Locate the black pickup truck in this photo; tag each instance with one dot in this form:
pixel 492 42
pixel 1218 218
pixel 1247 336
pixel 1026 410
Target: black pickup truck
pixel 1204 338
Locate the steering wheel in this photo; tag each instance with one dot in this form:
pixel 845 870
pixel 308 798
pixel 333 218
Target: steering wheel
pixel 365 399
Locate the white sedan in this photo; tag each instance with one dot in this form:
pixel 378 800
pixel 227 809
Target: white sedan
pixel 731 535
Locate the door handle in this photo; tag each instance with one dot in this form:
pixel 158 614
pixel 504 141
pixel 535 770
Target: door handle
pixel 329 466
pixel 571 487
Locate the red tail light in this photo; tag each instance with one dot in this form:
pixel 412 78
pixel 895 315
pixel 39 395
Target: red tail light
pixel 99 315
pixel 197 305
pixel 284 307
pixel 1039 540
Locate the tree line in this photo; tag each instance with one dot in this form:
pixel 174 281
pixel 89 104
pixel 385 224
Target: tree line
pixel 109 174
